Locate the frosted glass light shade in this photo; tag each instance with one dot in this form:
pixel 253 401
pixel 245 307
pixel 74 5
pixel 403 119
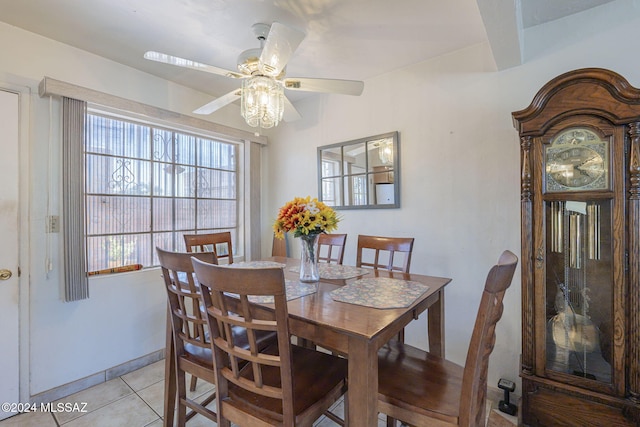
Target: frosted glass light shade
pixel 385 151
pixel 262 101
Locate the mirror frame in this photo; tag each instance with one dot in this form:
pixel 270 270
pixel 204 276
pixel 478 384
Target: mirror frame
pixel 395 170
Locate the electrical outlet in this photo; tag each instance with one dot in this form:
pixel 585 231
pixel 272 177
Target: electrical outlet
pixel 53 224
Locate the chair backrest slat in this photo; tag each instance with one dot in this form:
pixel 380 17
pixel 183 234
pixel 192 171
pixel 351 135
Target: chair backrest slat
pixel 217 283
pixel 387 245
pixel 185 300
pixel 211 242
pixel 474 381
pixel 334 244
pixel 280 247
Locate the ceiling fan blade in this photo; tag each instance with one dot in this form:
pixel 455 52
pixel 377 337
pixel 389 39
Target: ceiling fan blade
pixel 219 102
pixel 290 112
pixel 344 87
pixel 281 42
pixel 187 63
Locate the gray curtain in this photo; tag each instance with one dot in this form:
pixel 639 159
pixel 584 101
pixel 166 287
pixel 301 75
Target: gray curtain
pixel 76 283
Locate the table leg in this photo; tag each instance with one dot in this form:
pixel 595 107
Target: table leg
pixel 169 377
pixel 363 383
pixel 435 326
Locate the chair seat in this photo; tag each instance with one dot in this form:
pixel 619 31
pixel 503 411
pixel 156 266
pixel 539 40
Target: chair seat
pixel 202 355
pixel 317 375
pixel 412 379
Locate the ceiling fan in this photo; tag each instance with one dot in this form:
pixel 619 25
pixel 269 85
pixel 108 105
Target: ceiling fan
pixel 263 71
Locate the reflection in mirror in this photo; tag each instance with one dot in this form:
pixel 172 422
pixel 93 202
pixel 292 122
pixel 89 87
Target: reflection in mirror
pixel 362 173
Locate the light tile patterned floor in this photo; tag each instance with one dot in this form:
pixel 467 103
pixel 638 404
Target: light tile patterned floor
pixel 136 400
pixel 132 400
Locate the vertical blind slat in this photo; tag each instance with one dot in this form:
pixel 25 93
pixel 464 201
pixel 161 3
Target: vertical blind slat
pixel 73 127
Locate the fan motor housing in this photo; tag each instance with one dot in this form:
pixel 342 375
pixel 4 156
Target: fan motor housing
pixel 248 61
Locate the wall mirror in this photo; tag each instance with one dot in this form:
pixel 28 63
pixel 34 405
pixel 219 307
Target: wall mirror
pixel 361 174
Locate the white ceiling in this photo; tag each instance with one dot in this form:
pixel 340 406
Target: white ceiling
pixel 536 12
pixel 345 39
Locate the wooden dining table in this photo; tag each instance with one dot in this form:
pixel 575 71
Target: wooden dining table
pixel 355 331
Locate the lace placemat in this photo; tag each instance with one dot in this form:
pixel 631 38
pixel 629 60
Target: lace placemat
pixel 335 271
pixel 380 292
pixel 256 264
pixel 293 290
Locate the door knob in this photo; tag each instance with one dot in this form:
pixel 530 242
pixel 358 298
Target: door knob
pixel 5 274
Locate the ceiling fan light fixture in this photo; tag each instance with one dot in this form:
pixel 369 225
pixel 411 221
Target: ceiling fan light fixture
pixel 262 101
pixel 262 71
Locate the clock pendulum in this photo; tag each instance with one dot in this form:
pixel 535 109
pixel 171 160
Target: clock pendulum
pixel 574 227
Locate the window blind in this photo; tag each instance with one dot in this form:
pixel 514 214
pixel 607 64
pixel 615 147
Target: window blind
pixel 76 283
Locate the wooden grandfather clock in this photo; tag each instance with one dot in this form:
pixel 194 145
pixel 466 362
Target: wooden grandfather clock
pixel 580 207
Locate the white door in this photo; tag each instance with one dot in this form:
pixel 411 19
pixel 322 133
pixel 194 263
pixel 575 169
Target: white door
pixel 9 226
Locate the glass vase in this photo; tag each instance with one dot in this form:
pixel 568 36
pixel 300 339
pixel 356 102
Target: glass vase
pixel 308 258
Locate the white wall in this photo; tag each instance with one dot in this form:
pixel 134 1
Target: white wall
pixel 459 160
pixel 124 318
pixel 460 183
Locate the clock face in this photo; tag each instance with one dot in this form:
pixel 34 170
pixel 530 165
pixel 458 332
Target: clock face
pixel 576 160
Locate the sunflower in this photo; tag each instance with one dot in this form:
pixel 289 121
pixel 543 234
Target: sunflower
pixel 304 216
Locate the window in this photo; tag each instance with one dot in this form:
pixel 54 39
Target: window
pixel 147 185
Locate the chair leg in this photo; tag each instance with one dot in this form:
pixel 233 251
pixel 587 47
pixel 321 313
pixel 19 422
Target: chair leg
pixel 194 380
pixel 182 396
pixel 391 422
pixel 170 391
pixel 346 409
pixel 223 422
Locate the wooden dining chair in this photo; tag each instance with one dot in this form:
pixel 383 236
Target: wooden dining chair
pixel 219 243
pixel 331 247
pixel 280 247
pixel 382 251
pixel 192 347
pixel 284 385
pixel 422 389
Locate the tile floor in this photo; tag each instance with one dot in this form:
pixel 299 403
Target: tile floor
pixel 136 400
pixel 132 400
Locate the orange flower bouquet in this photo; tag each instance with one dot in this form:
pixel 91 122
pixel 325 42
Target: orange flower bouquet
pixel 306 218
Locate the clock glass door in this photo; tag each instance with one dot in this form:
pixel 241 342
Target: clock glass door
pixel 579 289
